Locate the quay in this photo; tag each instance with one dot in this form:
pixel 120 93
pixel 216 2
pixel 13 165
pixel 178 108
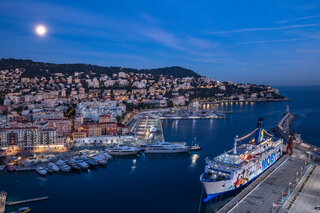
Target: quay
pixel 192 117
pixel 27 201
pixel 21 169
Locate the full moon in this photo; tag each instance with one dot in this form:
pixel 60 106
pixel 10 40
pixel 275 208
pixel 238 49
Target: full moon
pixel 41 30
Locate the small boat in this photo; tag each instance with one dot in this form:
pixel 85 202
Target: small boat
pixel 195 147
pixel 73 164
pixel 1 168
pixel 89 161
pixel 122 150
pixel 105 155
pixel 49 170
pixel 22 210
pixel 53 167
pixel 63 166
pixel 99 160
pixel 82 164
pixel 41 171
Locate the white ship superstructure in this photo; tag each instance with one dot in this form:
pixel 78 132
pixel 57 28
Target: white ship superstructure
pixel 122 150
pixel 242 164
pixel 165 148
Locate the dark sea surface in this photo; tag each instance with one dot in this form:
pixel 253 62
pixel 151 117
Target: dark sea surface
pixel 162 183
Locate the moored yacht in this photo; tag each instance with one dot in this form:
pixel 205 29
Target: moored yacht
pixel 165 148
pixel 63 166
pixel 91 163
pixel 72 163
pixel 82 164
pixel 53 167
pixel 98 159
pixel 122 150
pixel 41 171
pixel 105 155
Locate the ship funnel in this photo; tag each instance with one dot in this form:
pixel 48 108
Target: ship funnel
pixel 259 131
pixel 235 145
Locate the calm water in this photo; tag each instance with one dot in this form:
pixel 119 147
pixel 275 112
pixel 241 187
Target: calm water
pixel 161 183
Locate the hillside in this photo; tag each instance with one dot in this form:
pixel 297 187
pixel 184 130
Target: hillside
pixel 34 69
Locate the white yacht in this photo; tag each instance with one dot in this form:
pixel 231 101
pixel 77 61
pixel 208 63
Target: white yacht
pixel 81 163
pixel 105 155
pixel 122 150
pixel 164 148
pixel 53 167
pixel 41 171
pixel 63 166
pixel 98 159
pixel 72 163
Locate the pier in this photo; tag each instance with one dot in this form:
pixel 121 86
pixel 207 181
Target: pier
pixel 27 201
pixel 142 127
pixel 283 131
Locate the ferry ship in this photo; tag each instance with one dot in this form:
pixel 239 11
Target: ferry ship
pixel 239 166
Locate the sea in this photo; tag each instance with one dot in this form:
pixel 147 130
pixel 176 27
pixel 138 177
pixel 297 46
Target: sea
pixel 163 183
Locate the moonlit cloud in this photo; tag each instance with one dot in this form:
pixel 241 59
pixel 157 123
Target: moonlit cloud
pixel 297 19
pixel 265 28
pixel 273 41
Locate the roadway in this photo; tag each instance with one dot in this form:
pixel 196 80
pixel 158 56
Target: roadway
pixel 309 196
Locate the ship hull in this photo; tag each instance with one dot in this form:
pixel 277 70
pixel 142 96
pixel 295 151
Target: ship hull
pixel 165 151
pixel 122 153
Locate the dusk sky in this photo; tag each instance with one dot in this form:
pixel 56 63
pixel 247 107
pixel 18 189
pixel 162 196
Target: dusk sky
pixel 271 42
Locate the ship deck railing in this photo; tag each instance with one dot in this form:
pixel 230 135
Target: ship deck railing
pixel 225 164
pixel 204 179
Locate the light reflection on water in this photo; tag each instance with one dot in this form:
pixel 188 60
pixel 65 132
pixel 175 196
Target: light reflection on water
pixel 133 167
pixel 194 159
pixel 193 124
pixel 211 124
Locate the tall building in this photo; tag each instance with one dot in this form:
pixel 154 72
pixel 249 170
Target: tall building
pixel 63 126
pixel 104 118
pixel 27 137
